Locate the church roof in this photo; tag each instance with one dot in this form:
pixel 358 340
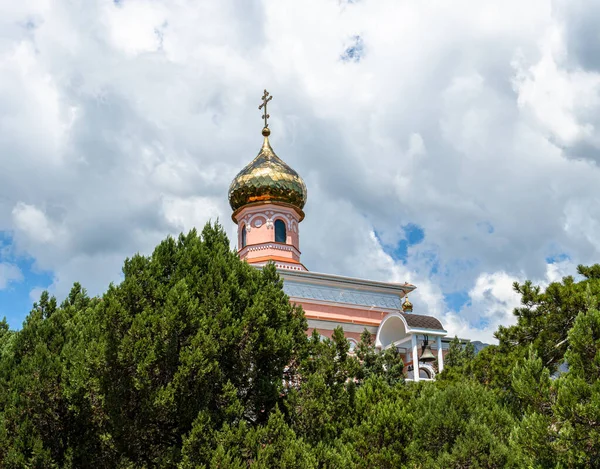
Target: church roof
pixel 422 322
pixel 333 279
pixel 267 178
pixel 316 286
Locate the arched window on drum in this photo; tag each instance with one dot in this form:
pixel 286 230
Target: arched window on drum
pixel 244 236
pixel 280 234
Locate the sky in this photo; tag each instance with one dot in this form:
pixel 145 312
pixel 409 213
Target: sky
pixel 453 145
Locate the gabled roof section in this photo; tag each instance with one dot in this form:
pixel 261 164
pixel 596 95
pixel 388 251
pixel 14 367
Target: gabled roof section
pixel 418 321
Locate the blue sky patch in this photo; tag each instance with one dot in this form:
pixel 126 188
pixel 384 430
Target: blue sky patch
pixel 557 258
pixel 456 300
pixel 413 234
pixel 15 300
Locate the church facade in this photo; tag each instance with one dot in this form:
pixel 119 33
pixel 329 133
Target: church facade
pixel 267 198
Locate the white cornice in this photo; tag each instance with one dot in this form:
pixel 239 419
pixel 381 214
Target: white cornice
pixel 420 330
pixel 338 281
pixel 268 245
pixel 287 267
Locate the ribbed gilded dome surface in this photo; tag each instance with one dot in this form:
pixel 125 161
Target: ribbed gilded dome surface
pixel 267 178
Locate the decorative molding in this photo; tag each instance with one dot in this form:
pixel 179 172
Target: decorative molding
pixel 270 216
pixel 323 325
pixel 260 247
pixel 289 267
pixel 280 265
pixel 341 295
pixel 269 245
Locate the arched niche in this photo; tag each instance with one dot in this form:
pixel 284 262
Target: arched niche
pixel 426 372
pixel 392 329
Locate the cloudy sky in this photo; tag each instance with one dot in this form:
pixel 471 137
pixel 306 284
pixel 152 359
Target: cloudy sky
pixel 453 145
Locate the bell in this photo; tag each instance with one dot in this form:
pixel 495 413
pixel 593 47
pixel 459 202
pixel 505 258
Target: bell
pixel 426 353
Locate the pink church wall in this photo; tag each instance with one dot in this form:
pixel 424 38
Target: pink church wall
pixel 260 233
pixel 341 313
pixel 328 333
pixel 264 234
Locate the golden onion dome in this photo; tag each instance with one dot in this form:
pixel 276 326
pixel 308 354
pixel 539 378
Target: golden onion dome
pixel 267 179
pixel 407 306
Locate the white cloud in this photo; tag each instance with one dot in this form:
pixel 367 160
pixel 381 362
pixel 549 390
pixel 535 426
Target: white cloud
pixel 34 225
pixel 492 301
pixel 134 27
pixel 122 123
pixel 9 273
pixel 556 271
pixel 186 213
pixel 35 293
pixel 555 96
pixel 491 304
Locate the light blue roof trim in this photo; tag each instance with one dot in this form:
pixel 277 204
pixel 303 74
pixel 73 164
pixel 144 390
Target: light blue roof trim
pixel 334 294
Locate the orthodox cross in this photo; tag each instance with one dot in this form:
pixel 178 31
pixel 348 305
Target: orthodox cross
pixel 265 98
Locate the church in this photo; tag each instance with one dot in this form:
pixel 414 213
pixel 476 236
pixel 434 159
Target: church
pixel 267 198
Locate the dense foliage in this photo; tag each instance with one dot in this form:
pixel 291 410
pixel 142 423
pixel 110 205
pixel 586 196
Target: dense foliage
pixel 198 360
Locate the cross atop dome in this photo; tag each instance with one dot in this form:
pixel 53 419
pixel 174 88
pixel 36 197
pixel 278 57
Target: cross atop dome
pixel 265 99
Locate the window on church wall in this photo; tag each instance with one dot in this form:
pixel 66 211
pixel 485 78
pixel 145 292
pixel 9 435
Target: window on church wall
pixel 280 234
pixel 244 237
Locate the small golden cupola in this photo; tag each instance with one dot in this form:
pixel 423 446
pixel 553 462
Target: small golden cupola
pixel 267 198
pixel 407 306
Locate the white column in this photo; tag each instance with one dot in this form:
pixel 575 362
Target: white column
pixel 440 354
pixel 415 357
